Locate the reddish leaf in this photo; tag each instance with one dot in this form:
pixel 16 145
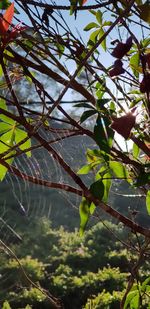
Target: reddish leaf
pixel 118 63
pixel 6 19
pixel 147 57
pixel 84 1
pixel 124 124
pixel 145 83
pixel 122 49
pixel 116 71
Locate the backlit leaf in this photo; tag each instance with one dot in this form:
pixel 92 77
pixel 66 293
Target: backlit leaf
pixel 134 64
pixel 4 127
pixel 134 303
pixel 101 33
pixel 93 36
pixel 129 298
pixel 85 169
pixel 1 71
pixel 105 176
pixel 2 116
pixel 20 136
pixel 136 151
pixel 84 211
pixel 118 169
pixel 145 283
pixel 99 17
pixel 91 26
pixel 6 141
pixel 92 208
pixel 148 202
pixel 93 155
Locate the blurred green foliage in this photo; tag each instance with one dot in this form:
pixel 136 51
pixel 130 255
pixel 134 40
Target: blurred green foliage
pixel 88 272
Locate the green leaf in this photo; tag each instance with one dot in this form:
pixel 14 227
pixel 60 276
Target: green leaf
pixel 4 4
pixel 105 176
pixel 129 298
pixel 100 90
pixel 118 169
pixel 6 305
pixel 60 48
pixel 107 185
pixel 107 23
pixel 112 107
pixel 145 283
pixel 91 26
pixel 28 78
pixel 2 116
pixel 6 141
pixel 88 167
pixel 134 303
pixel 20 136
pixel 84 211
pixel 1 71
pixel 145 42
pixel 134 64
pixel 85 169
pixel 93 37
pixel 93 12
pixel 87 114
pixel 101 33
pixel 103 134
pixel 4 127
pixel 99 17
pixel 3 104
pixel 93 155
pixel 92 208
pixel 136 151
pixel 134 91
pixel 97 189
pixel 145 12
pixel 148 202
